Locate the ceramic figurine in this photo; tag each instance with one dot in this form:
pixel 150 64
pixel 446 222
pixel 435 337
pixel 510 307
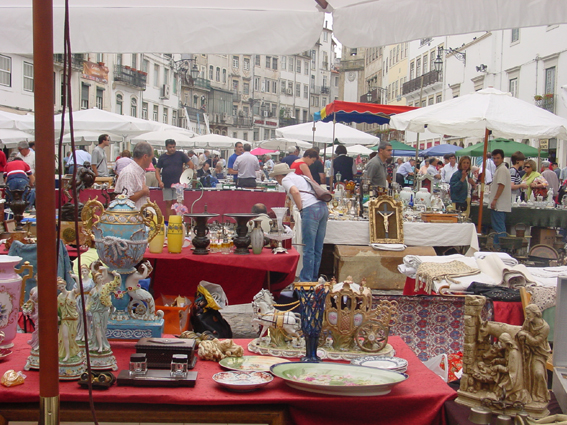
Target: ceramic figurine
pixel 71 357
pixel 88 285
pixel 504 366
pixel 283 325
pixel 30 309
pixel 142 305
pixel 99 306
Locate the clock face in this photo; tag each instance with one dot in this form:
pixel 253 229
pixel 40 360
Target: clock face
pixel 351 76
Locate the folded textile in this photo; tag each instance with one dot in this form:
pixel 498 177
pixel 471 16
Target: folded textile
pixel 388 246
pixel 495 293
pixel 415 260
pixel 429 273
pixel 511 276
pixel 506 258
pixel 543 296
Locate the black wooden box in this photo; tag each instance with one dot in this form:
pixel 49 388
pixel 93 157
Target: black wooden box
pixel 160 350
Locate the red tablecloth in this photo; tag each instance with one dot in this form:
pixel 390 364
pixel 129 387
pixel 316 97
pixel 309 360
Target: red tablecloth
pixel 417 401
pixel 505 312
pixel 217 201
pixel 241 276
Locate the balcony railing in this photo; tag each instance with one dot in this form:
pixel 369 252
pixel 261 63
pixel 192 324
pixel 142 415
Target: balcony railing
pixel 202 82
pixel 243 122
pixel 129 76
pixel 547 102
pixel 430 78
pixel 374 98
pixel 77 60
pixel 284 122
pixel 236 96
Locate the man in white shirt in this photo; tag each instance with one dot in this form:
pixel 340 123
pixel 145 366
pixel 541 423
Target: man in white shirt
pixel 403 171
pixel 82 157
pixel 26 154
pixel 500 196
pixel 432 169
pixel 246 165
pixel 132 178
pixel 449 168
pixel 194 159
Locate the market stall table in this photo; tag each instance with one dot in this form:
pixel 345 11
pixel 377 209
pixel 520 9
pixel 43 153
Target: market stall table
pixel 217 201
pixel 241 276
pixel 417 401
pixel 538 217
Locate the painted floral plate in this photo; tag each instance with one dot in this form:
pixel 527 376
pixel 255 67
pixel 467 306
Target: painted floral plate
pixel 251 363
pixel 242 381
pixel 337 378
pixel 4 352
pixel 396 364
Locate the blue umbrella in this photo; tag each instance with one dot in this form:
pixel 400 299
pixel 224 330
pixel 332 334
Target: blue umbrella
pixel 440 150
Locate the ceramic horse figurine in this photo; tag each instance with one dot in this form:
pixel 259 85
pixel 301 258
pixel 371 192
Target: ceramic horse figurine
pixel 142 305
pixel 268 316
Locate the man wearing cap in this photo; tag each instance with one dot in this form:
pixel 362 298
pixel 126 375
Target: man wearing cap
pixel 314 215
pixel 27 155
pixel 246 166
pixel 99 164
pixel 171 165
pixel 293 154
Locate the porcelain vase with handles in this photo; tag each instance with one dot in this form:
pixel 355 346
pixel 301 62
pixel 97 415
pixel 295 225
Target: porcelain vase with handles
pixel 405 195
pixel 257 237
pixel 10 292
pixel 423 197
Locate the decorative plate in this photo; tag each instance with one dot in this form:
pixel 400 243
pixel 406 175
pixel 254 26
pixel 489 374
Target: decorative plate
pixel 251 363
pixel 382 362
pixel 4 352
pixel 338 379
pixel 242 381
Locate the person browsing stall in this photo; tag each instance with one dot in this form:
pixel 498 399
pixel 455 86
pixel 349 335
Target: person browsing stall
pixel 449 168
pixel 377 167
pixel 18 175
pixel 517 185
pixel 246 166
pixel 171 165
pixel 238 150
pixel 343 165
pixel 500 196
pixel 293 154
pixel 301 166
pixel 99 164
pixel 404 170
pixel 314 216
pixel 461 184
pixel 132 178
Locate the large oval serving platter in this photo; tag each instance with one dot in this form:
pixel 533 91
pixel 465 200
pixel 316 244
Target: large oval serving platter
pixel 337 378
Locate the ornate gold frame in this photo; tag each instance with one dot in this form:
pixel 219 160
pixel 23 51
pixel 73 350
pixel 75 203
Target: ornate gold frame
pixel 395 220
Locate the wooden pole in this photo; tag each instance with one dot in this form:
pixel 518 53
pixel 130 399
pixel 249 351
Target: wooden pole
pixel 482 180
pixel 45 200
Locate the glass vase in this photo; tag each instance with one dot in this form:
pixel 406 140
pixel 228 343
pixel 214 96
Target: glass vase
pixel 312 300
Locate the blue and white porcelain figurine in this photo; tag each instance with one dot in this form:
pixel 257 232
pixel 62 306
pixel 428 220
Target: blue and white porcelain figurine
pixel 121 235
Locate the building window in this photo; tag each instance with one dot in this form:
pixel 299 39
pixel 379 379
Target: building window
pixel 268 62
pixel 290 67
pixel 224 76
pixel 275 64
pixel 245 136
pixel 99 98
pixel 438 99
pixel 84 96
pixel 513 86
pixel 156 75
pixel 156 113
pixel 145 110
pixel 411 70
pixel 99 57
pixel 165 115
pixel 283 86
pixel 298 66
pixel 430 101
pixel 257 60
pixel 418 67
pixel 235 62
pixel 235 86
pixel 256 134
pixel 234 135
pixel 246 64
pixel 174 83
pixel 298 90
pixel 425 63
pixel 515 35
pixel 246 88
pixel 165 76
pixel 336 79
pixel 325 36
pixel 274 86
pixel 5 71
pixel 133 107
pixel 256 83
pixel 174 118
pixel 246 110
pixel 119 100
pixel 211 72
pixel 313 59
pixel 284 62
pixel 145 65
pixel 134 61
pixel 305 91
pixel 28 76
pixel 119 59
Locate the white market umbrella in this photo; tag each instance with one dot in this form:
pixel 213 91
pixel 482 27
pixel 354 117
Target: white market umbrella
pixel 324 133
pixel 488 109
pixel 212 151
pixel 283 144
pixel 215 141
pixel 11 121
pixel 10 138
pixel 182 139
pixel 87 137
pixel 356 150
pixel 478 113
pixel 102 121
